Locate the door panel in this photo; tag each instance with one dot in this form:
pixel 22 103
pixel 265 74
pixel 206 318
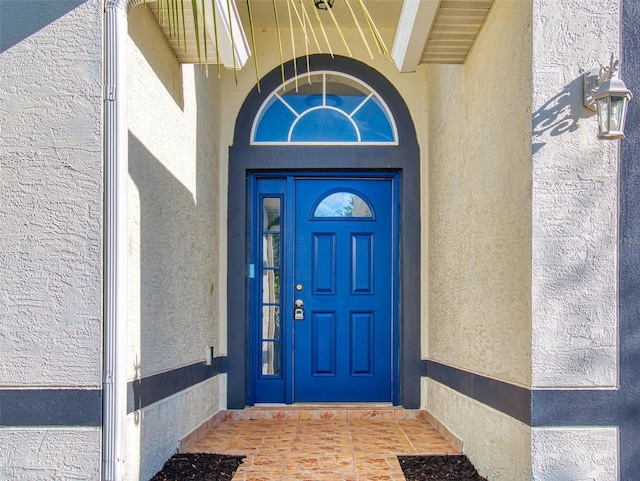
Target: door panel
pixel 343 261
pixel 362 264
pixel 362 343
pixel 323 344
pixel 324 263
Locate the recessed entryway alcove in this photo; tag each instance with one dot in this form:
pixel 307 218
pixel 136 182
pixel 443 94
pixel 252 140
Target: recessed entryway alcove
pixel 389 153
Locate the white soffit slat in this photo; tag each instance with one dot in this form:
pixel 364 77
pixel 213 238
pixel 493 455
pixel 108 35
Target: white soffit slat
pixel 414 25
pixel 457 25
pixel 432 31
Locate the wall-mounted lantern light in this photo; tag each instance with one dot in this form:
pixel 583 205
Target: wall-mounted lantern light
pixel 606 94
pixel 324 4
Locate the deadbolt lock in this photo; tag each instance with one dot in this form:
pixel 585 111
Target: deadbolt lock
pixel 298 312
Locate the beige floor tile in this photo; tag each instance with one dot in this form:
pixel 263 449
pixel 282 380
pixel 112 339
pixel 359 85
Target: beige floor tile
pixel 322 444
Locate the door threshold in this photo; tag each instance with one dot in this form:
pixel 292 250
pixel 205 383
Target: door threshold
pixel 325 411
pixel 310 411
pixel 324 405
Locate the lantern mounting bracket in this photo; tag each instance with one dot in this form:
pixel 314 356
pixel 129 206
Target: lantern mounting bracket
pixel 591 80
pixel 590 85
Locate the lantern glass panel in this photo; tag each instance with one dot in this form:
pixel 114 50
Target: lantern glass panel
pixel 617 110
pixel 603 114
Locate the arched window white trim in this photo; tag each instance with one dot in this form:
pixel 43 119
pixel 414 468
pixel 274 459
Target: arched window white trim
pixel 324 108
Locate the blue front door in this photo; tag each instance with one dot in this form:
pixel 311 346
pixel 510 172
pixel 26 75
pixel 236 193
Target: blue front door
pixel 324 304
pixel 343 278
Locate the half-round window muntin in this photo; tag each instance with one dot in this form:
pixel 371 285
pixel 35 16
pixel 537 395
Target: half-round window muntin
pixel 324 108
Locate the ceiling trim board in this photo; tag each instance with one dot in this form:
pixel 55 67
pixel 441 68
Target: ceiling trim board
pixel 416 20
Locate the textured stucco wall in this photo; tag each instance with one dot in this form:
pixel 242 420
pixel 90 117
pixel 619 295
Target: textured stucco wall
pixel 586 453
pixel 479 235
pixel 574 201
pixel 498 445
pixel 50 454
pixel 154 433
pixel 173 205
pixel 574 292
pixel 51 194
pixel 51 221
pixel 479 211
pixel 174 313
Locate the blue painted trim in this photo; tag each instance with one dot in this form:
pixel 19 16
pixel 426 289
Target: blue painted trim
pixel 50 407
pixel 396 282
pixel 149 390
pixel 271 388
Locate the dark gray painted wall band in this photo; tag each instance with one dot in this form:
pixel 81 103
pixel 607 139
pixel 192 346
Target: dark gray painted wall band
pixel 512 400
pixel 149 390
pixel 83 407
pixel 577 407
pixel 629 250
pixel 540 407
pixel 50 407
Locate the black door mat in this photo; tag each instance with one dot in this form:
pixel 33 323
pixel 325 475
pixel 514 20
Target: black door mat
pixel 199 467
pixel 439 468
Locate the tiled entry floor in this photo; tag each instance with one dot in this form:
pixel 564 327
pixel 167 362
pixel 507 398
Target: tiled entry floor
pixel 322 444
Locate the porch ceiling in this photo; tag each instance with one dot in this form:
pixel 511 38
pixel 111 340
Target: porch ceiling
pixel 385 14
pixel 426 31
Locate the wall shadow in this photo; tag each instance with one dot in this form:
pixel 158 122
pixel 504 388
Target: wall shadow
pixel 165 207
pixel 560 114
pixel 146 34
pixel 166 211
pixel 18 23
pixel 177 295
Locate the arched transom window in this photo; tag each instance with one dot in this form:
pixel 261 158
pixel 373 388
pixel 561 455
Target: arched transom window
pixel 324 107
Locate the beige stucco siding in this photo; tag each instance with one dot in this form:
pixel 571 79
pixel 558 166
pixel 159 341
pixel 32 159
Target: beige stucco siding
pixel 153 434
pixel 479 211
pixel 45 454
pixel 498 445
pixel 574 238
